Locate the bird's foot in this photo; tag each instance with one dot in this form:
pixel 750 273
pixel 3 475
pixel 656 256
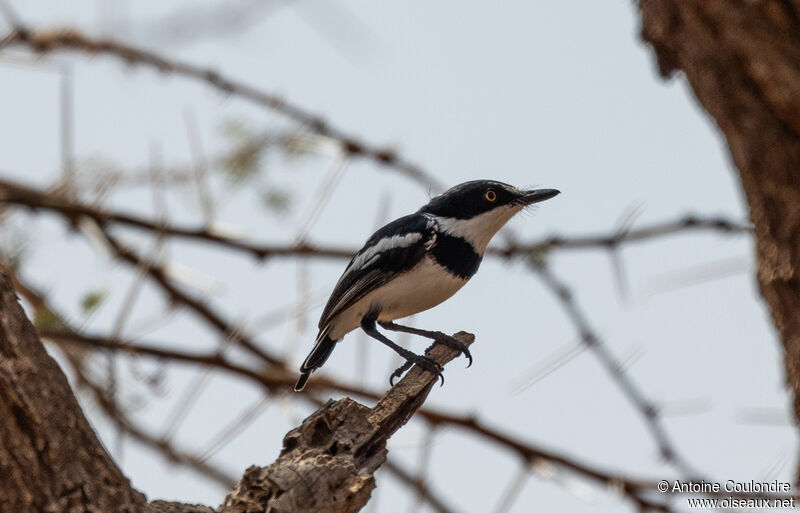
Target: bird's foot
pixel 436 336
pixel 423 361
pixel 455 344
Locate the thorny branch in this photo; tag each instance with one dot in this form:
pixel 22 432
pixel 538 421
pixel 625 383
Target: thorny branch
pixel 71 39
pixel 632 392
pixel 12 193
pixel 125 424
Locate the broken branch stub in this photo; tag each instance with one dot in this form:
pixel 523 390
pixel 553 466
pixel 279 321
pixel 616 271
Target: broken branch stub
pixel 327 463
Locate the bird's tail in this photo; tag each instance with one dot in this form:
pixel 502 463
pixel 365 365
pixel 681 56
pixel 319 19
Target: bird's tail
pixel 316 358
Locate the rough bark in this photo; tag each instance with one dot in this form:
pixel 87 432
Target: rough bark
pixel 742 59
pixel 52 461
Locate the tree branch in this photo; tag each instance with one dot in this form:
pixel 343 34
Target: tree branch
pixel 644 406
pixel 12 193
pixel 327 463
pixel 65 39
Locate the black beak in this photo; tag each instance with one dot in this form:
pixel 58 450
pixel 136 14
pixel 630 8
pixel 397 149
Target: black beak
pixel 531 197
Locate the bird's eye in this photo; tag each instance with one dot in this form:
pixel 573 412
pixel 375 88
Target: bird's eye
pixel 490 195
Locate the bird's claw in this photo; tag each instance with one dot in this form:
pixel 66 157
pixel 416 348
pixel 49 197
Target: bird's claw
pixel 426 363
pixel 399 372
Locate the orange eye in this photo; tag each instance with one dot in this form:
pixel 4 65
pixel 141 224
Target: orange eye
pixel 490 195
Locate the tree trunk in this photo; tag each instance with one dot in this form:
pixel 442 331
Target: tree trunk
pixel 742 59
pixel 50 459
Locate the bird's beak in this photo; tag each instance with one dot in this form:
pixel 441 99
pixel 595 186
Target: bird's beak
pixel 531 197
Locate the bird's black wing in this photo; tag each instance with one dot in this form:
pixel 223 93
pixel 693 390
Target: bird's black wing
pixel 395 248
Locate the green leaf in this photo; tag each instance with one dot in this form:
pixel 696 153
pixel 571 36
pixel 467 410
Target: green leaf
pixel 244 158
pixel 277 200
pixel 92 300
pixel 242 163
pixel 539 257
pixel 44 319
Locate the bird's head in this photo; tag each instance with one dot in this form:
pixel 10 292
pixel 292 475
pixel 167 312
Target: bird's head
pixel 476 210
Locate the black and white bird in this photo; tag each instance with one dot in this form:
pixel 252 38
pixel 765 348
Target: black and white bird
pixel 413 264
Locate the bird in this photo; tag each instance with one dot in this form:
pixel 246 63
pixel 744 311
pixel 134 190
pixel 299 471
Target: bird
pixel 415 263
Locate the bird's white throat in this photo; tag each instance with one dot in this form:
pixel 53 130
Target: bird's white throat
pixel 480 229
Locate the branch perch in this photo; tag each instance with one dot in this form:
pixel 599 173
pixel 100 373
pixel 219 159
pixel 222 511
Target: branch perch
pixel 327 463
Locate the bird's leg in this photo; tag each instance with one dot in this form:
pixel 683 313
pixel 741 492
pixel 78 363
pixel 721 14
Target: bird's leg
pixel 368 325
pixel 436 336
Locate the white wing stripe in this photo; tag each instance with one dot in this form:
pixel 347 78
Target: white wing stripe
pixel 386 244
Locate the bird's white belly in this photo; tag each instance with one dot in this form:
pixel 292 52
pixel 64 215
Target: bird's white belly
pixel 421 288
